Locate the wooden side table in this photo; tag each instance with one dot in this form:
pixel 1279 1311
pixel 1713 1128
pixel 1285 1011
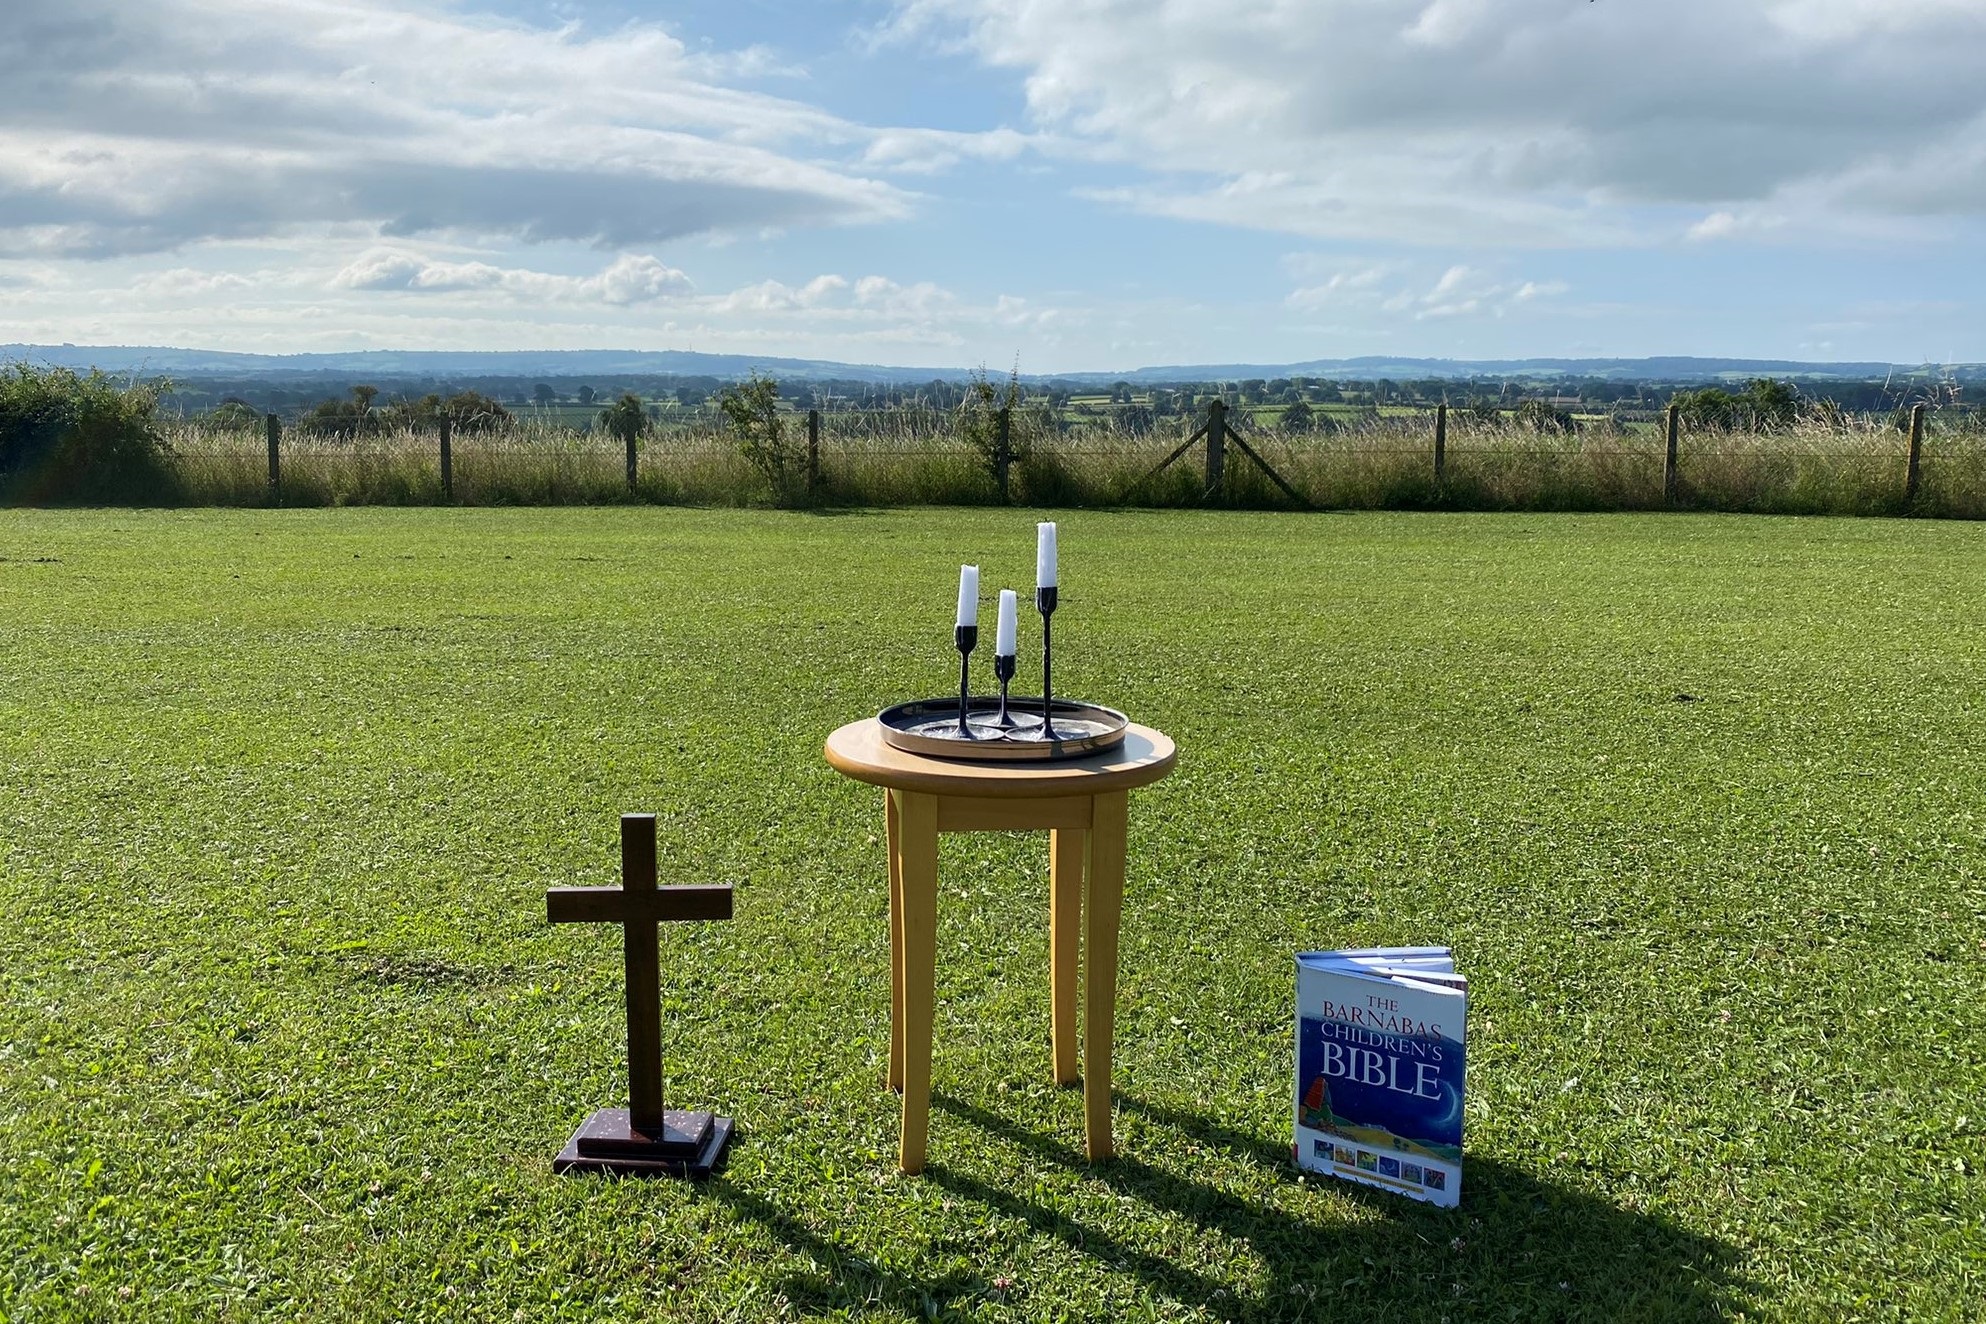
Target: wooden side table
pixel 1083 805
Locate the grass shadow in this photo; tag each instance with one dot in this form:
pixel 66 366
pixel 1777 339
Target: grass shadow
pixel 845 1277
pixel 1518 1248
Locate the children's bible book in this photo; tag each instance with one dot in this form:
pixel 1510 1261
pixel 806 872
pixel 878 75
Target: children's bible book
pixel 1379 1068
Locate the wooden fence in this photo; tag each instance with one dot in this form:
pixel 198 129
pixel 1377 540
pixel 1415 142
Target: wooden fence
pixel 1226 436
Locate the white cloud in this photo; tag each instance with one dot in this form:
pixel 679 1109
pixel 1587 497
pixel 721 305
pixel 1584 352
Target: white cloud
pixel 135 128
pixel 928 151
pixel 1404 291
pixel 1346 285
pixel 184 282
pixel 630 279
pixel 1506 122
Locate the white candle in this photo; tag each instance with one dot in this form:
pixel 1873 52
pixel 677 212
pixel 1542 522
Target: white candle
pixel 1044 556
pixel 968 595
pixel 1003 637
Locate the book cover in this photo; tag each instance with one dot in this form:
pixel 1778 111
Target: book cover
pixel 1380 1067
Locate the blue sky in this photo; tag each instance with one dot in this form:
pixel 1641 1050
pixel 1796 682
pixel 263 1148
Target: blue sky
pixel 1070 184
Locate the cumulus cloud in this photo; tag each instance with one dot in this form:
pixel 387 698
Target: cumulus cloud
pixel 630 279
pixel 870 305
pixel 132 128
pixel 1505 121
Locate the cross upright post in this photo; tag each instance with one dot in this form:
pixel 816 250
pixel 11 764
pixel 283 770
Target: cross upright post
pixel 644 1138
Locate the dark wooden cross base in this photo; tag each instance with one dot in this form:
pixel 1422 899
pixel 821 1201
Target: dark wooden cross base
pixel 643 1139
pixel 689 1145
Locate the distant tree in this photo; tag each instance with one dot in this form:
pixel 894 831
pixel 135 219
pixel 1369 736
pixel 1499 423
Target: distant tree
pixel 624 420
pixel 1771 404
pixel 687 398
pixel 235 415
pixel 1298 418
pixel 1120 393
pixel 466 411
pixel 543 394
pixel 1253 390
pixel 472 411
pixel 1707 408
pixel 345 418
pixel 1540 415
pixel 585 395
pixel 1135 419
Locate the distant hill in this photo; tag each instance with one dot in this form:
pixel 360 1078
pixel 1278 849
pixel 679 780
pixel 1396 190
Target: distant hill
pixel 415 365
pixel 405 364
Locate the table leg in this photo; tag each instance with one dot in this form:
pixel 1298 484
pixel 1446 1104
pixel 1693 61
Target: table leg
pixel 1105 904
pixel 917 836
pixel 890 814
pixel 1067 849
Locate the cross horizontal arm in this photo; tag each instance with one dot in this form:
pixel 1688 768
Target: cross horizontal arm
pixel 613 905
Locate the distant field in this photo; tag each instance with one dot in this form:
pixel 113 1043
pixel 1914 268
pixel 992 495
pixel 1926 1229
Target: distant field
pixel 284 1034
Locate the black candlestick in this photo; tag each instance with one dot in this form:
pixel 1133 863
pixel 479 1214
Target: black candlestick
pixel 967 639
pixel 1003 671
pixel 1044 602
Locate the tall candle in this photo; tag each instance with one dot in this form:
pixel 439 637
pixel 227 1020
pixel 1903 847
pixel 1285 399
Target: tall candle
pixel 1044 556
pixel 1003 637
pixel 968 595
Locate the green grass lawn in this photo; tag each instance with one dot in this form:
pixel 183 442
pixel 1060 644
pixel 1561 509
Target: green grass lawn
pixel 284 1032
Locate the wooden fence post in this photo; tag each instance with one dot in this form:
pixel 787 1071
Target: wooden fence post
pixel 275 429
pixel 1216 445
pixel 632 434
pixel 1440 442
pixel 1003 454
pixel 1914 470
pixel 813 450
pixel 1669 465
pixel 447 459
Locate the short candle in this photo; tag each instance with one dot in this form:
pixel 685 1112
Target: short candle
pixel 1005 633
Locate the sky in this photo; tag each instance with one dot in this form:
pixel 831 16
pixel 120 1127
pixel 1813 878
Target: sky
pixel 1062 185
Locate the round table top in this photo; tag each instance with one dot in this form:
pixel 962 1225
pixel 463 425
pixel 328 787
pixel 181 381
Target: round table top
pixel 859 751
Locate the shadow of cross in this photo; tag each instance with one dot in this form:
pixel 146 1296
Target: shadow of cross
pixel 644 1138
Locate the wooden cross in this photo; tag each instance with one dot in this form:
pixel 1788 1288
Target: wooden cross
pixel 644 1137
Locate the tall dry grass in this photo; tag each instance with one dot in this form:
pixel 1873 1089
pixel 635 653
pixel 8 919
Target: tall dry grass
pixel 1854 466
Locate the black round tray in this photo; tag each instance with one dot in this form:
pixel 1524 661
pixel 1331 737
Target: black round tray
pixel 931 727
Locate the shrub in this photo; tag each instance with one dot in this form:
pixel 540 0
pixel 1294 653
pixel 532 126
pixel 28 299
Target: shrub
pixel 67 437
pixel 345 418
pixel 235 415
pixel 752 409
pixel 1541 416
pixel 466 411
pixel 985 414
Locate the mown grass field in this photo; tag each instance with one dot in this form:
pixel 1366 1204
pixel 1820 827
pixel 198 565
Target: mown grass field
pixel 284 1033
